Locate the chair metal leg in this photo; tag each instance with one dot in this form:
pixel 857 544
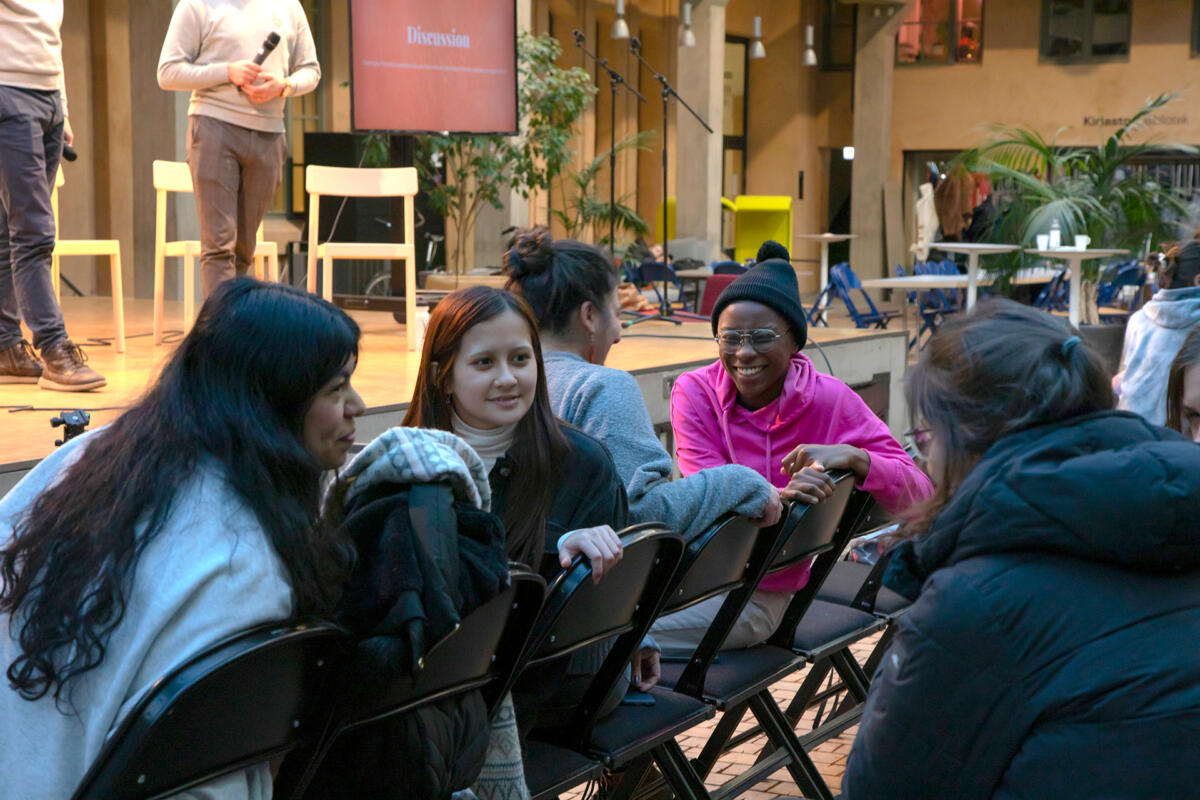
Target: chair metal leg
pixel 678 771
pixel 779 731
pixel 118 299
pixel 719 740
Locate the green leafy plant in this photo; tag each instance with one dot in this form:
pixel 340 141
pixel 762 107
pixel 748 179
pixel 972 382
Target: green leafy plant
pixel 583 212
pixel 1096 191
pixel 460 173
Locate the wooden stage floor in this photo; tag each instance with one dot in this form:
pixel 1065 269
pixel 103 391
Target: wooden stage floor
pixel 385 376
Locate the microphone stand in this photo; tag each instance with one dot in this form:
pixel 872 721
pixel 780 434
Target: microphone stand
pixel 614 80
pixel 665 312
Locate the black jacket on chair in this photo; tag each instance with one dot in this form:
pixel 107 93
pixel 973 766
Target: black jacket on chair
pixel 1052 650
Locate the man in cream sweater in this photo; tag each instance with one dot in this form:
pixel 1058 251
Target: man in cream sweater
pixel 33 129
pixel 235 140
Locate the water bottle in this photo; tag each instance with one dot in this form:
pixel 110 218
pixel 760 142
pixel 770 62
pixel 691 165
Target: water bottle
pixel 1055 235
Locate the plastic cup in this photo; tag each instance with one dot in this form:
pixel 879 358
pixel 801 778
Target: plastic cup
pixel 1082 241
pixel 1043 241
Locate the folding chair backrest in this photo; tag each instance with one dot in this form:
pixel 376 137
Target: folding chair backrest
pixel 245 701
pixel 484 652
pixel 467 659
pixel 172 176
pixel 812 528
pixel 578 612
pixel 714 562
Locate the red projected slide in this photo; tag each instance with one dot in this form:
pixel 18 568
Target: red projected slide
pixel 434 65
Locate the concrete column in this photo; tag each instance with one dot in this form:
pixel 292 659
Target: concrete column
pixel 701 82
pixel 874 61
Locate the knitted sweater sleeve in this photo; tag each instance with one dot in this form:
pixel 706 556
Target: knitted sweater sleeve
pixel 177 70
pixel 612 410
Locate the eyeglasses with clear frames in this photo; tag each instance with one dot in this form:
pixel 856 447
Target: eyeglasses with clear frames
pixel 919 439
pixel 761 339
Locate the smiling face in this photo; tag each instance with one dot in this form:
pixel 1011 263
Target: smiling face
pixel 329 421
pixel 494 377
pixel 757 376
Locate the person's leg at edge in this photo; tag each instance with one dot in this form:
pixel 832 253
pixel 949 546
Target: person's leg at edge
pixel 212 155
pixel 18 361
pixel 680 633
pixel 262 166
pixel 31 131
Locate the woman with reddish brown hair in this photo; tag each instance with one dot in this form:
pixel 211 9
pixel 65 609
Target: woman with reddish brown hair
pixel 1055 574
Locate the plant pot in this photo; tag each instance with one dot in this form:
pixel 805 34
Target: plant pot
pixel 1107 340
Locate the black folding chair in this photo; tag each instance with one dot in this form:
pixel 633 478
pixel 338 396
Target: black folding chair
pixel 579 613
pixel 245 701
pixel 740 680
pixel 483 653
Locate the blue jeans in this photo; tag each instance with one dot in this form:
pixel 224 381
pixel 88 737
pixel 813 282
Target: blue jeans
pixel 31 140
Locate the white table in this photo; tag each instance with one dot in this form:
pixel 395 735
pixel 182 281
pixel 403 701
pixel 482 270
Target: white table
pixel 973 250
pixel 923 283
pixel 1075 257
pixel 825 239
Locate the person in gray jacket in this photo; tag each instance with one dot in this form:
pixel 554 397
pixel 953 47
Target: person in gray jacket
pixel 1155 333
pixel 235 138
pixel 191 518
pixel 572 288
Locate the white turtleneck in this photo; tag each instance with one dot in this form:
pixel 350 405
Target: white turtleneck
pixel 490 444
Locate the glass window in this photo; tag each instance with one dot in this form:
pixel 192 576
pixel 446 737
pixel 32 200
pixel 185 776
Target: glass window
pixel 941 32
pixel 1076 31
pixel 840 21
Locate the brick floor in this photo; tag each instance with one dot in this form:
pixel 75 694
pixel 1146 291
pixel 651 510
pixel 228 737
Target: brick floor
pixel 830 757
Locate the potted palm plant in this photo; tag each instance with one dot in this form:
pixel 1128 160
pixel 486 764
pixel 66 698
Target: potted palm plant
pixel 1097 191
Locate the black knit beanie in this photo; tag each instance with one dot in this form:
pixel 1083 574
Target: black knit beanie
pixel 772 249
pixel 772 283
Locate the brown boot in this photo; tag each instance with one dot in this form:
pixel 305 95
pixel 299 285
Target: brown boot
pixel 65 370
pixel 19 364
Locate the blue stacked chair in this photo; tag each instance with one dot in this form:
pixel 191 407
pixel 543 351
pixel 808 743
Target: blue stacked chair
pixel 844 281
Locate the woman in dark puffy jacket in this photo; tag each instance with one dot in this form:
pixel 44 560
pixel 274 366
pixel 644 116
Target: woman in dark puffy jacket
pixel 1056 575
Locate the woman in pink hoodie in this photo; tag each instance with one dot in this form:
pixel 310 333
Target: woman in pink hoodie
pixel 764 405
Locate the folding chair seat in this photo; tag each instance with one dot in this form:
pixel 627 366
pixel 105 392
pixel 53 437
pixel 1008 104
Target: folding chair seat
pixel 578 613
pixel 250 699
pixel 550 770
pixel 844 281
pixel 483 652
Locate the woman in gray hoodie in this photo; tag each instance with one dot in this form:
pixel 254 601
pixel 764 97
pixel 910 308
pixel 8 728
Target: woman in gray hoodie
pixel 572 288
pixel 1156 332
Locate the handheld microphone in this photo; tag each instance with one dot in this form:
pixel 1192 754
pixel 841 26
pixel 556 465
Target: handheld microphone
pixel 635 44
pixel 69 153
pixel 268 45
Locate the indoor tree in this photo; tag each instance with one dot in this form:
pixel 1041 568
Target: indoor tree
pixel 1096 191
pixel 584 212
pixel 460 173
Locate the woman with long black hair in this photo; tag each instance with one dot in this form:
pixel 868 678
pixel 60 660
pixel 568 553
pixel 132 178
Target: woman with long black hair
pixel 190 518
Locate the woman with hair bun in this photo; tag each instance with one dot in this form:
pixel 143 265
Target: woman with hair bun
pixel 572 288
pixel 1056 580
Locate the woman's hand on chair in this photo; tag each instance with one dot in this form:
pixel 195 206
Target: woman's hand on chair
pixel 600 544
pixel 772 512
pixel 647 669
pixel 809 485
pixel 828 456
